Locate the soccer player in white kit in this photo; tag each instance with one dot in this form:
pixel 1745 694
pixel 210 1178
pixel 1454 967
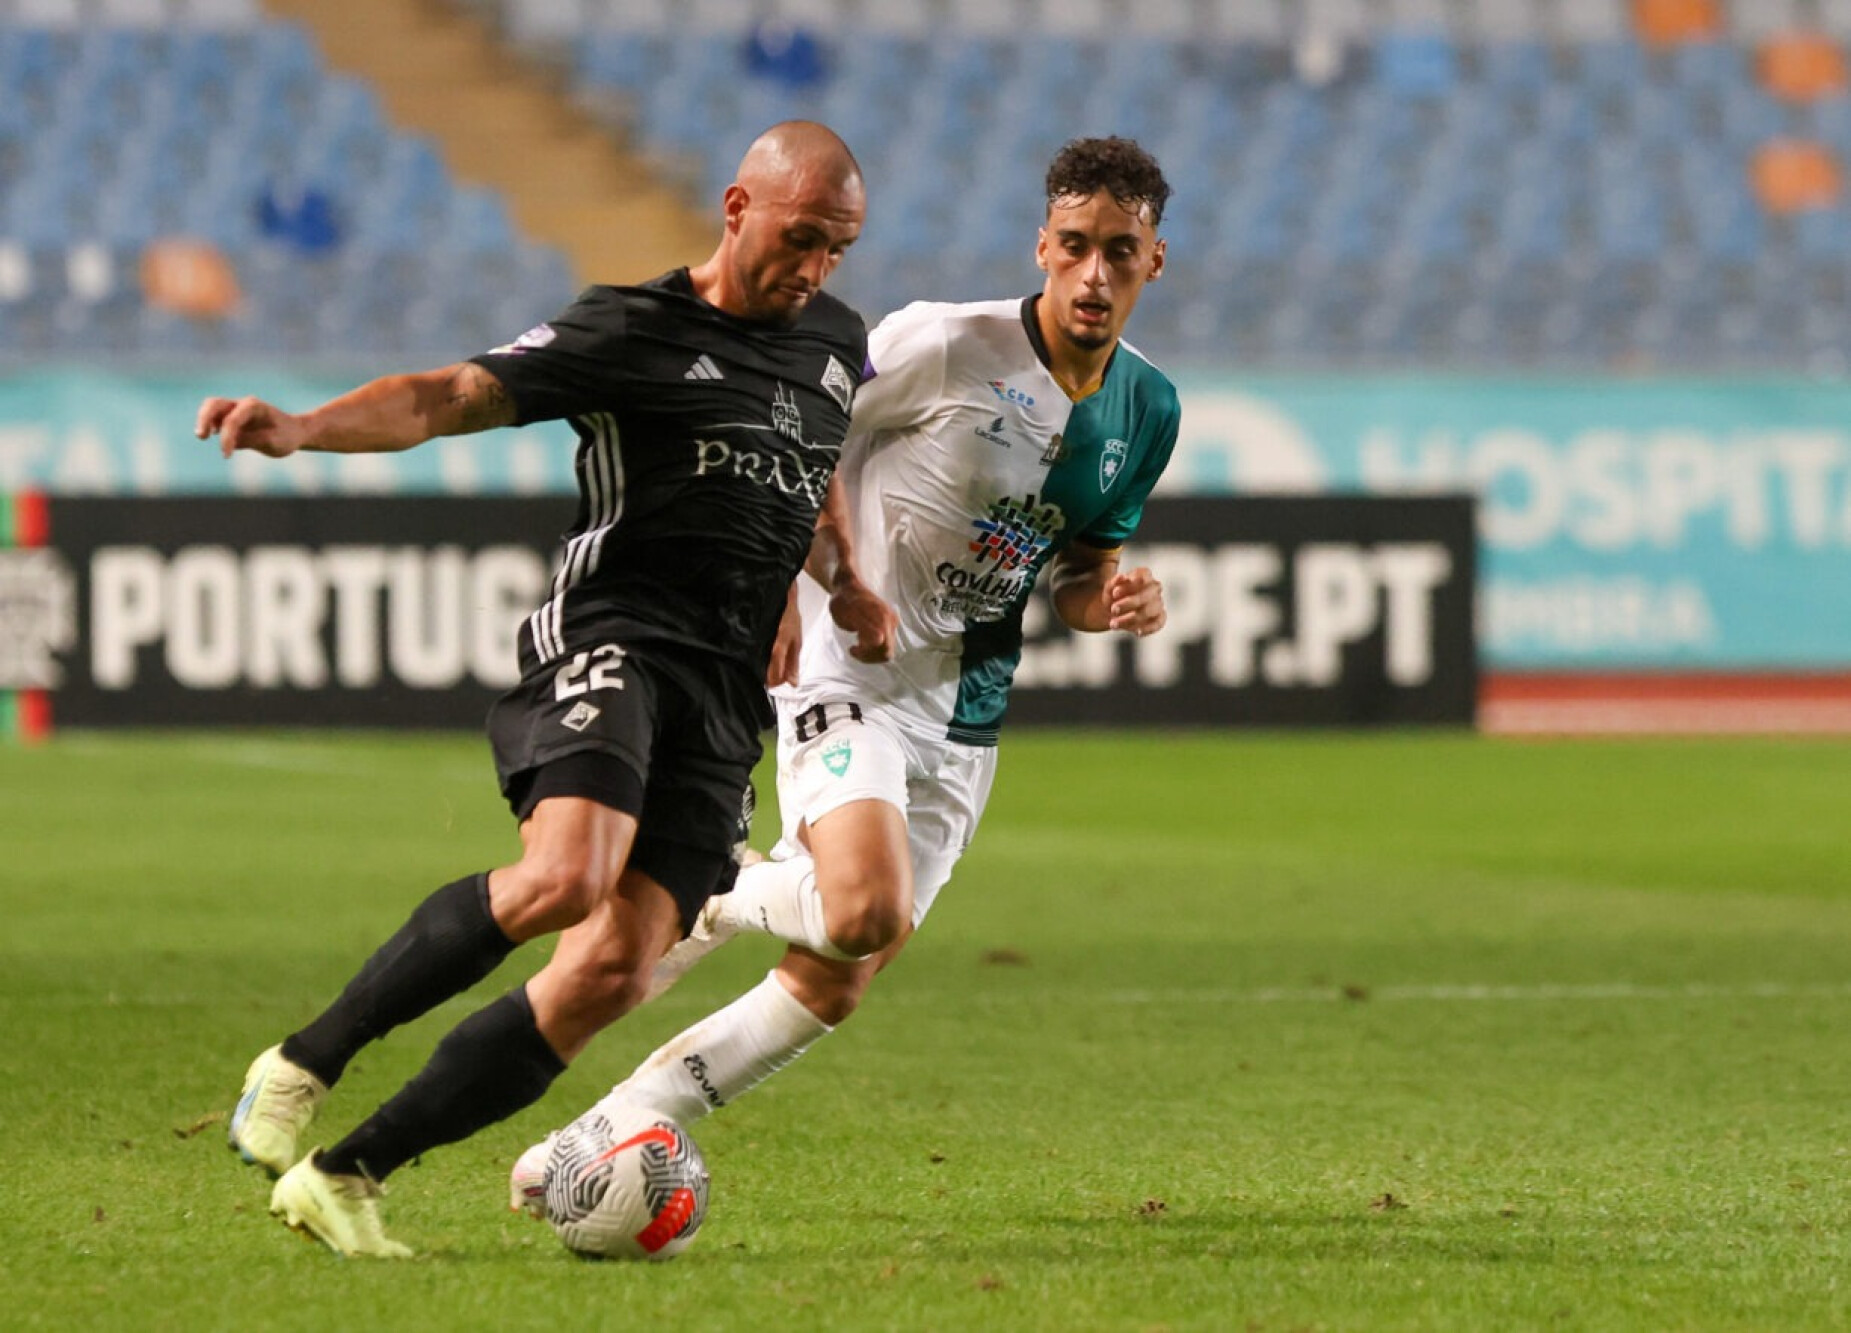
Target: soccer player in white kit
pixel 995 439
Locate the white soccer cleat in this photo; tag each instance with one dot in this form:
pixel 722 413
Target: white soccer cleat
pixel 711 930
pixel 527 1181
pixel 342 1212
pixel 277 1103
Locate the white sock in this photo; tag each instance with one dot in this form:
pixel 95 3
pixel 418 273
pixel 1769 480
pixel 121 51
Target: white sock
pixel 780 898
pixel 724 1056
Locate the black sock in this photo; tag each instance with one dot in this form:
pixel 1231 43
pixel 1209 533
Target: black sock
pixel 491 1065
pixel 449 944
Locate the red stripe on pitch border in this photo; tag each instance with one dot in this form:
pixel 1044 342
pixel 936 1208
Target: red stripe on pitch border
pixel 1666 703
pixel 1683 686
pixel 31 519
pixel 30 710
pixel 34 711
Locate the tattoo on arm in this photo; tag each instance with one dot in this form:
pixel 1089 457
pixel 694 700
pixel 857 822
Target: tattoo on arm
pixel 476 400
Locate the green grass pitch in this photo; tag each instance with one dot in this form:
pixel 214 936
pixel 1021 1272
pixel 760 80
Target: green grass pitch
pixel 1211 1032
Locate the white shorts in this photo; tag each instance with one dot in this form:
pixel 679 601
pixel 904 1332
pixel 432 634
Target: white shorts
pixel 855 754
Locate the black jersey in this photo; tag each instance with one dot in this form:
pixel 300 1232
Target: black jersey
pixel 706 444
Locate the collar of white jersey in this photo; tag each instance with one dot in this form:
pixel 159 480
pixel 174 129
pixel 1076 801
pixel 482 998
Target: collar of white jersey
pixel 1032 326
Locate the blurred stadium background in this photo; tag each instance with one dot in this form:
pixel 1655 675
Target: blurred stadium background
pixel 1588 259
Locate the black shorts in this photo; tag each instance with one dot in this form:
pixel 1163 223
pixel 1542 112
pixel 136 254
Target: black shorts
pixel 667 734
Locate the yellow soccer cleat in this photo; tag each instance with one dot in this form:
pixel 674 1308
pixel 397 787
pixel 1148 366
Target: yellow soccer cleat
pixel 278 1101
pixel 342 1212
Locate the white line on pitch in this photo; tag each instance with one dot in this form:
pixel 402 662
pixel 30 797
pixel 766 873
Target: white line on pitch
pixel 1620 990
pixel 1617 990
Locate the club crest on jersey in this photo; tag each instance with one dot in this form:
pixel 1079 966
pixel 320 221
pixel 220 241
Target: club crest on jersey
pixel 1056 450
pixel 1111 463
pixel 839 383
pixel 536 337
pixel 786 420
pixel 837 755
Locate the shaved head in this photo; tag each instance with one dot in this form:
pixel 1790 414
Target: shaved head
pixel 791 214
pixel 800 150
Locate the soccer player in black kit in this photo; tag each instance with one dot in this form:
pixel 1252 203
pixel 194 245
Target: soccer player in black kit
pixel 710 405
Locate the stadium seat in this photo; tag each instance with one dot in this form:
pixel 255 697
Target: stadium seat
pixel 546 23
pixel 1493 22
pixel 1794 176
pixel 1823 233
pixel 900 17
pixel 1515 67
pixel 1667 22
pixel 148 14
pixel 1259 21
pixel 1591 20
pixel 988 18
pixel 58 15
pixel 1802 67
pixel 1344 21
pixel 619 59
pixel 1749 24
pixel 218 15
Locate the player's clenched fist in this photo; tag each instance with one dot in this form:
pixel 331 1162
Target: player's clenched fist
pixel 249 423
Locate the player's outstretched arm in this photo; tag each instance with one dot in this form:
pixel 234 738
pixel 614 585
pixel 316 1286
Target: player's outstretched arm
pixel 1090 594
pixel 382 416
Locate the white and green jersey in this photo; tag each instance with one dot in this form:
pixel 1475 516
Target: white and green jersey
pixel 967 469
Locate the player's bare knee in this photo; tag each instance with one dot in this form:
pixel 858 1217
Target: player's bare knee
pixel 865 912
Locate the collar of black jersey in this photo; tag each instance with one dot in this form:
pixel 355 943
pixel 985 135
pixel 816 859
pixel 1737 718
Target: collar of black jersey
pixel 1032 327
pixel 681 282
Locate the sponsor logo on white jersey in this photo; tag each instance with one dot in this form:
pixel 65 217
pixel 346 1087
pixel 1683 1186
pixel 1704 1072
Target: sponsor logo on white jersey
pixel 1007 544
pixel 1015 532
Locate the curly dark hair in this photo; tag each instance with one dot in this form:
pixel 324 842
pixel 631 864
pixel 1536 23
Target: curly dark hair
pixel 1085 166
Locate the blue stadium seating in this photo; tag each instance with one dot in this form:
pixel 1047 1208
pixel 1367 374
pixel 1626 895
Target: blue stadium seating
pixel 114 136
pixel 1490 185
pixel 1533 196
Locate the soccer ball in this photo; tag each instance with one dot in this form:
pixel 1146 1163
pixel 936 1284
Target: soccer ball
pixel 624 1183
